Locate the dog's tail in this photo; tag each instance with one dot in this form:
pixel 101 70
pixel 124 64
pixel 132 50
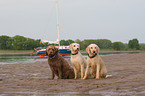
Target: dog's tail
pixel 108 76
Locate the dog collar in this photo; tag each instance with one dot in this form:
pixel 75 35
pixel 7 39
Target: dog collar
pixel 53 56
pixel 92 56
pixel 75 53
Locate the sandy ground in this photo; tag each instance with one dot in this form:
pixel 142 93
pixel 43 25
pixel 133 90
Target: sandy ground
pixel 33 79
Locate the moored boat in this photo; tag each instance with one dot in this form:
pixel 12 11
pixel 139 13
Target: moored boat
pixel 63 51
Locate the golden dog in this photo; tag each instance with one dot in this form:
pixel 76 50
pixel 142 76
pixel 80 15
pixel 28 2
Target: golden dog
pixel 95 62
pixel 78 61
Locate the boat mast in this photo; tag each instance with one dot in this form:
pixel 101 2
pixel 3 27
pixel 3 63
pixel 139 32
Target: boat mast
pixel 57 21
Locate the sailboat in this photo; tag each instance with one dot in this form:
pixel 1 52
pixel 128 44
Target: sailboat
pixel 63 50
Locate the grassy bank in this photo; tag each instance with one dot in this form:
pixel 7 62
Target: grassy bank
pixel 7 52
pixel 17 51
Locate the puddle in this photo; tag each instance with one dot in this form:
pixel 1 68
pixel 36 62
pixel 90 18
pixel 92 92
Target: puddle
pixel 8 59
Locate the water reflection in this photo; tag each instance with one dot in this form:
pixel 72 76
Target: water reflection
pixel 10 59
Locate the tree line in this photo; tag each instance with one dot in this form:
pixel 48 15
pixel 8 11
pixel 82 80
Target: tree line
pixel 22 43
pixel 18 43
pixel 107 44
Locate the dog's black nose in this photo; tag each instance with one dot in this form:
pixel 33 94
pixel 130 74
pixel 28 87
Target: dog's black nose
pixel 77 48
pixel 94 52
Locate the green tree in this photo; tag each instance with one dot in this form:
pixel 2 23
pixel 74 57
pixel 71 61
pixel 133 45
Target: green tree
pixel 29 44
pixel 81 44
pixel 89 41
pixel 134 44
pixel 102 43
pixel 19 42
pixel 10 43
pixel 142 46
pixel 37 43
pixel 118 45
pixel 66 42
pixel 69 41
pixel 4 42
pixel 62 42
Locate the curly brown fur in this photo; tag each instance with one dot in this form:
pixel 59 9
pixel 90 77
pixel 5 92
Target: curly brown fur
pixel 59 66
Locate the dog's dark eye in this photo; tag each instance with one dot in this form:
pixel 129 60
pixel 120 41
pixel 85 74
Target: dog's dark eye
pixel 74 45
pixel 95 47
pixel 91 47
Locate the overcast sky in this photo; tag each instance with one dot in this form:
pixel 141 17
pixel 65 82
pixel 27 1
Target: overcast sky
pixel 116 20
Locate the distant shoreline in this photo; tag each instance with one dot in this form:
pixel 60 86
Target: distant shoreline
pixel 21 52
pixel 9 52
pixel 117 51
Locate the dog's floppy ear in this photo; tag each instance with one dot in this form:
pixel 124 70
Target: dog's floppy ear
pixel 79 45
pixel 70 46
pixel 87 49
pixel 98 50
pixel 46 51
pixel 56 49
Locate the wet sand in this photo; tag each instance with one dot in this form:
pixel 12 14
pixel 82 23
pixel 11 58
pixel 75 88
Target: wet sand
pixel 127 70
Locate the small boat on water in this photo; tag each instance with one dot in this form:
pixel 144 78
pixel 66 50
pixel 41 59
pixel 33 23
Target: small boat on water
pixel 63 51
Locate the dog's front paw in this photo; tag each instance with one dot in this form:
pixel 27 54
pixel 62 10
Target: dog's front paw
pixel 75 78
pixel 84 78
pixel 97 78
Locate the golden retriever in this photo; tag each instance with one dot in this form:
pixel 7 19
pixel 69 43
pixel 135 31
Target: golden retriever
pixel 95 62
pixel 78 61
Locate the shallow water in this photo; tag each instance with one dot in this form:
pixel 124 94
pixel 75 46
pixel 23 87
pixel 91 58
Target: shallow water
pixel 21 58
pixel 10 59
